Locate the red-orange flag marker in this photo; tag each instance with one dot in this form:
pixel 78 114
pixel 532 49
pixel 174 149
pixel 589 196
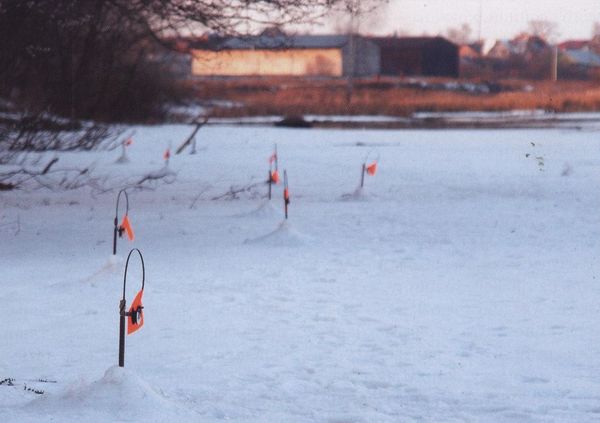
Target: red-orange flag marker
pixel 128 141
pixel 275 176
pixel 167 154
pixel 135 319
pixel 286 195
pixel 126 224
pixel 372 168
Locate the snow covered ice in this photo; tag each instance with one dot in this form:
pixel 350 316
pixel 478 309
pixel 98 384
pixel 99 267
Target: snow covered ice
pixel 465 289
pixel 284 235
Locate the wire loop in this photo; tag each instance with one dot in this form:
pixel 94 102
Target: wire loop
pixel 127 265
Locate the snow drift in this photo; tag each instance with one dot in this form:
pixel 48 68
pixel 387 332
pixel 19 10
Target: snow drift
pixel 120 395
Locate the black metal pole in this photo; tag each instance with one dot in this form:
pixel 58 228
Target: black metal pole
pixel 286 193
pixel 115 236
pixel 362 175
pixel 270 181
pixel 122 333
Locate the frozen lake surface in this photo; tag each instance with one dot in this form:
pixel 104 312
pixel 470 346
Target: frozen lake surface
pixel 461 285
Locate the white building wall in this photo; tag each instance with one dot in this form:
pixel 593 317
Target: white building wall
pixel 299 62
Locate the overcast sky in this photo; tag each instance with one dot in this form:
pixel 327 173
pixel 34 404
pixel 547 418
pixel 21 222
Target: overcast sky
pixel 499 18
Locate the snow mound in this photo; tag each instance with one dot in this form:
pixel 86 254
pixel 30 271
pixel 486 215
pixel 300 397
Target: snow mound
pixel 284 236
pixel 161 173
pixel 164 173
pixel 114 260
pixel 359 194
pixel 122 159
pixel 119 395
pixel 265 209
pixel 113 265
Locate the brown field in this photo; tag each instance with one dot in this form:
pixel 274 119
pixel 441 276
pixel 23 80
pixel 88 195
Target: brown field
pixel 387 96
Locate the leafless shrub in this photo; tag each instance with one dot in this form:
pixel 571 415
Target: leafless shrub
pixel 235 191
pixel 25 137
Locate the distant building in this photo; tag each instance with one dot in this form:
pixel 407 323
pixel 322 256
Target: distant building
pixel 582 57
pixel 422 56
pixel 579 59
pixel 502 50
pixel 470 60
pixel 595 44
pixel 525 56
pixel 285 55
pixel 574 45
pixel 469 51
pixel 523 45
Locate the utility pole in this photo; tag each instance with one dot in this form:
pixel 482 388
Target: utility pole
pixel 479 28
pixel 480 41
pixel 554 64
pixel 352 59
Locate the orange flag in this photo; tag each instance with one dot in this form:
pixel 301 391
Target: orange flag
pixel 372 168
pixel 128 141
pixel 275 177
pixel 135 320
pixel 167 154
pixel 126 224
pixel 286 195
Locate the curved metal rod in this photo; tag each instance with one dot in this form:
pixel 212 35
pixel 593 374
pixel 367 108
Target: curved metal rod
pixel 127 265
pixel 126 203
pixel 370 153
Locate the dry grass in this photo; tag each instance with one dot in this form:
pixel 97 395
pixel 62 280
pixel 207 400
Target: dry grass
pixel 388 96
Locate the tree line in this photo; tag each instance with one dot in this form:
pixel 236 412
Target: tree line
pixel 91 59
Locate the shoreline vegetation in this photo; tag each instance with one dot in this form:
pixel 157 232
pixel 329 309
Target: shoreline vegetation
pixel 521 119
pixel 396 97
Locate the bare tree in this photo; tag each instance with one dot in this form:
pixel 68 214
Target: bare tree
pixel 546 30
pixel 93 58
pixel 350 17
pixel 63 62
pixel 354 16
pixel 460 35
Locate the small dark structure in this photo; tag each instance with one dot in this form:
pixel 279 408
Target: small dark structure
pixel 418 56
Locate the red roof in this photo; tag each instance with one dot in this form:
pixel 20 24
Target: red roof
pixel 573 44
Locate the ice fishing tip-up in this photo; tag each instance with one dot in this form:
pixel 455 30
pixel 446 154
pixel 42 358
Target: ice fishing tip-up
pixel 135 315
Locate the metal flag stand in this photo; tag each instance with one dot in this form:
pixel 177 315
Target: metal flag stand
pixel 135 314
pixel 366 169
pixel 286 193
